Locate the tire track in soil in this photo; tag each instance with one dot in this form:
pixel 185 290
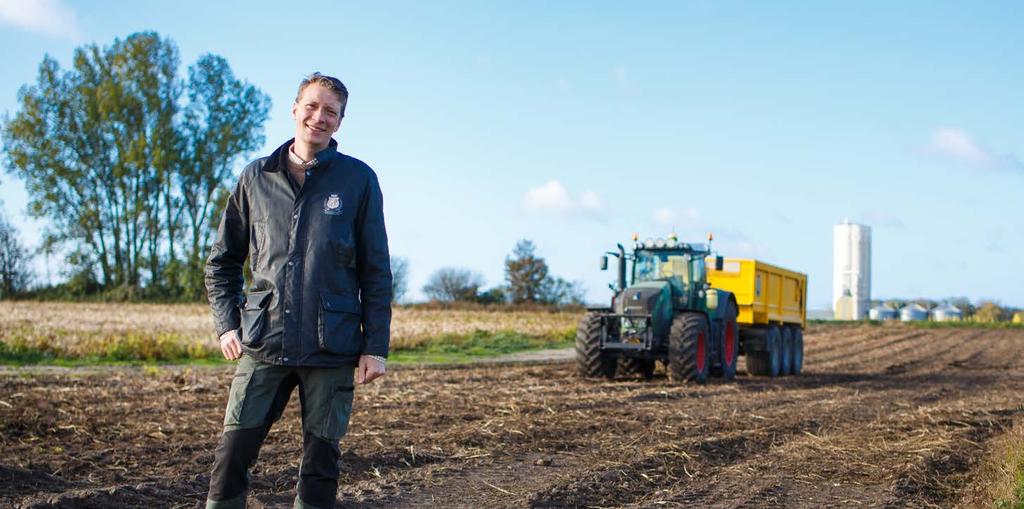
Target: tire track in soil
pixel 854 430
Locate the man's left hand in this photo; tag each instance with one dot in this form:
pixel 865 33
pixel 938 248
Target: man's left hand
pixel 369 369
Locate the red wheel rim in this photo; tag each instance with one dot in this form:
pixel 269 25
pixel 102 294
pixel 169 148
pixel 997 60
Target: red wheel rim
pixel 730 344
pixel 700 352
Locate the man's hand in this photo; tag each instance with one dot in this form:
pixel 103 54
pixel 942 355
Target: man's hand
pixel 369 369
pixel 230 346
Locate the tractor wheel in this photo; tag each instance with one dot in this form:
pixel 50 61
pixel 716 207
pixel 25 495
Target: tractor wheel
pixel 688 348
pixel 590 361
pixel 798 350
pixel 787 351
pixel 631 366
pixel 767 362
pixel 730 349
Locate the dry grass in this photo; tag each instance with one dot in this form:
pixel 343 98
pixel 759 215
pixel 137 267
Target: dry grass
pixel 116 331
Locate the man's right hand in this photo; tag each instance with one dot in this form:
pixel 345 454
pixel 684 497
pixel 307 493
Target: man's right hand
pixel 230 346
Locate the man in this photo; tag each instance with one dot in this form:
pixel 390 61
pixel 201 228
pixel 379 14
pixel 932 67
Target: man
pixel 318 312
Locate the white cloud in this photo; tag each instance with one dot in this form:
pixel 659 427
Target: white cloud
pixel 670 218
pixel 959 145
pixel 553 198
pixel 48 17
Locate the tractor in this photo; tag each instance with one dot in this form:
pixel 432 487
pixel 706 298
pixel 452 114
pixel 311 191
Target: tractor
pixel 667 312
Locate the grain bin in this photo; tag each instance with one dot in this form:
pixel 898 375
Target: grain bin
pixel 882 313
pixel 947 313
pixel 851 269
pixel 914 313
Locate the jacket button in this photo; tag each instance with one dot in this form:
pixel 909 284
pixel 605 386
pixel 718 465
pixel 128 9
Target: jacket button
pixel 295 216
pixel 287 311
pixel 291 263
pixel 285 359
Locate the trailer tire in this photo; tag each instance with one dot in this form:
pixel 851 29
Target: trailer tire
pixel 591 362
pixel 798 350
pixel 786 367
pixel 730 348
pixel 766 362
pixel 688 352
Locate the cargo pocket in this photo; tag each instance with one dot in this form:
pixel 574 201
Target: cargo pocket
pixel 336 421
pixel 254 316
pixel 339 324
pixel 236 396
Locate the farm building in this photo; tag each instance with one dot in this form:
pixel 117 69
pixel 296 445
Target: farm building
pixel 947 313
pixel 883 313
pixel 914 313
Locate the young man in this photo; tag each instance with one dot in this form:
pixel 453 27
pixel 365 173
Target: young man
pixel 318 312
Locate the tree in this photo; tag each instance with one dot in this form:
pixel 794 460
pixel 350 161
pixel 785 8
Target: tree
pixel 560 292
pixel 15 274
pixel 453 284
pixel 989 311
pixel 117 160
pixel 526 273
pixel 399 278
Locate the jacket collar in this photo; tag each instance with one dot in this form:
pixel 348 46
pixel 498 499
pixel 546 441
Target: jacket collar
pixel 276 161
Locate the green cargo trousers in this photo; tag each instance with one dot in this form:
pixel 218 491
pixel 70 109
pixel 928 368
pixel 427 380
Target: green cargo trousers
pixel 259 394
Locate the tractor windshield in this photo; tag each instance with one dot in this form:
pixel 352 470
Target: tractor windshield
pixel 652 266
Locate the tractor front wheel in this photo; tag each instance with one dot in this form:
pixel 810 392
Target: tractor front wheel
pixel 590 361
pixel 688 358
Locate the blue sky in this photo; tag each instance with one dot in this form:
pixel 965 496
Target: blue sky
pixel 576 124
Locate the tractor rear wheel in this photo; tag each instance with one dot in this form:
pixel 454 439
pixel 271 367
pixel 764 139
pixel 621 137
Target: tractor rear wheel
pixel 798 350
pixel 730 349
pixel 787 351
pixel 767 362
pixel 590 361
pixel 688 358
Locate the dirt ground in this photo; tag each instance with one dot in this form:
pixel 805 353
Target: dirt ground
pixel 887 416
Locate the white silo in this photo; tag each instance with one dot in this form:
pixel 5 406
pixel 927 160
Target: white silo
pixel 851 269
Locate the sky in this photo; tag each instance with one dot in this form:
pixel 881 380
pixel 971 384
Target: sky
pixel 576 124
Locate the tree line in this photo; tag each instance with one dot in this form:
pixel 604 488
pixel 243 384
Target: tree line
pixel 527 281
pixel 127 162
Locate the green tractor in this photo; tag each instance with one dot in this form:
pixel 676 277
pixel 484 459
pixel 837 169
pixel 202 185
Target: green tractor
pixel 667 313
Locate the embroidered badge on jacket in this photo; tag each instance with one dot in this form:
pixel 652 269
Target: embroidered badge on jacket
pixel 332 205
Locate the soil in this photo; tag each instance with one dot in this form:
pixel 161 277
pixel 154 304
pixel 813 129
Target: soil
pixel 883 416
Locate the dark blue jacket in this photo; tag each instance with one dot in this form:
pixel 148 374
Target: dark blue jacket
pixel 321 287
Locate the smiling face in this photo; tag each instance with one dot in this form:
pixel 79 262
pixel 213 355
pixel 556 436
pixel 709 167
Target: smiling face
pixel 317 115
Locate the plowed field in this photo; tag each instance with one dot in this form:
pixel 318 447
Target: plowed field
pixel 888 416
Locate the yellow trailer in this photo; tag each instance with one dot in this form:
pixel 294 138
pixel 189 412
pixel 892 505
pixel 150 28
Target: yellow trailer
pixel 772 304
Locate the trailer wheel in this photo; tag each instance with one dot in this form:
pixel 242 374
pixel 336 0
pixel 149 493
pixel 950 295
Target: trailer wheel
pixel 631 366
pixel 590 361
pixel 767 362
pixel 688 348
pixel 730 349
pixel 787 351
pixel 798 350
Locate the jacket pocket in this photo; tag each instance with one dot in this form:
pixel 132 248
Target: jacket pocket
pixel 254 316
pixel 338 329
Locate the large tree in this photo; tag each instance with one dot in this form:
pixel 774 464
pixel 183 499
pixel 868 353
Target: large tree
pixel 453 284
pixel 125 158
pixel 526 273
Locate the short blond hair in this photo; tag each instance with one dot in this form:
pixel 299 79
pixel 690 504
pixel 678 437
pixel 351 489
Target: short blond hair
pixel 330 83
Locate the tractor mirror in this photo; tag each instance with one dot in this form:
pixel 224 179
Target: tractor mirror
pixel 719 263
pixel 604 262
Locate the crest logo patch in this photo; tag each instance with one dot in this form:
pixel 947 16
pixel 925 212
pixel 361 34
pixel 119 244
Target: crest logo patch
pixel 333 205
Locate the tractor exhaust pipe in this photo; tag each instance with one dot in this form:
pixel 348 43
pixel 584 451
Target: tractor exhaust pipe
pixel 622 267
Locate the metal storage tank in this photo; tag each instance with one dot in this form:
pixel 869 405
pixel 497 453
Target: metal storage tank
pixel 883 313
pixel 947 314
pixel 851 268
pixel 913 313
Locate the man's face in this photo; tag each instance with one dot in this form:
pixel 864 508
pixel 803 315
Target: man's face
pixel 317 116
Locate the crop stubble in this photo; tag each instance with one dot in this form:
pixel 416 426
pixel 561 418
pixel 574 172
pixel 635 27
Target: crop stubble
pixel 886 416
